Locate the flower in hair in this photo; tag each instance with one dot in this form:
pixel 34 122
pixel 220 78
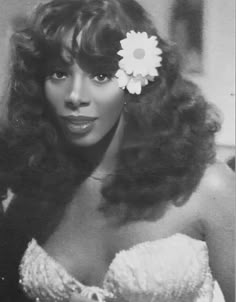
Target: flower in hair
pixel 140 59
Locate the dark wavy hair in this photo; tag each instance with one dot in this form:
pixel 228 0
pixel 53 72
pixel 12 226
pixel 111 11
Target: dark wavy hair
pixel 169 135
pixel 169 132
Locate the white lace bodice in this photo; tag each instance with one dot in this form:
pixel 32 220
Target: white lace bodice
pixel 173 269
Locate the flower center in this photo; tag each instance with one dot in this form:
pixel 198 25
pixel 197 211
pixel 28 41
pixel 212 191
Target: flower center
pixel 139 53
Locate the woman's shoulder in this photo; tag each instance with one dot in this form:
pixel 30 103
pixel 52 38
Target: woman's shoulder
pixel 218 176
pixel 216 197
pixel 216 190
pixel 212 205
pixel 218 183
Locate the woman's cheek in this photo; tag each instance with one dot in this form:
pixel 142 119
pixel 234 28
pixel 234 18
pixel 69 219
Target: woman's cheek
pixel 55 96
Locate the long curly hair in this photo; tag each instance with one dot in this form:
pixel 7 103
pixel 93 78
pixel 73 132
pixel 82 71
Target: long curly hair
pixel 168 139
pixel 169 133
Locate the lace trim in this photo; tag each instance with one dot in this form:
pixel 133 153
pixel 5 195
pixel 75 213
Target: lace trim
pixel 148 271
pixel 59 285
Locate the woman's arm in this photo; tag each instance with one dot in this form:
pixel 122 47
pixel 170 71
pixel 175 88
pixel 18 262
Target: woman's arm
pixel 219 223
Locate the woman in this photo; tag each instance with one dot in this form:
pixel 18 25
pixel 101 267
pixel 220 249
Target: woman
pixel 106 148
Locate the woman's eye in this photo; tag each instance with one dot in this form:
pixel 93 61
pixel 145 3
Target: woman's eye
pixel 101 78
pixel 58 75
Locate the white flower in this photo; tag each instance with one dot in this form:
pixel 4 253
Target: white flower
pixel 141 58
pixel 123 78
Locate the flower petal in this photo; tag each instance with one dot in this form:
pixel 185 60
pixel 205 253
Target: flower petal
pixel 153 72
pixel 136 71
pixel 122 78
pixel 121 53
pixel 134 86
pixel 140 70
pixel 150 78
pixel 128 67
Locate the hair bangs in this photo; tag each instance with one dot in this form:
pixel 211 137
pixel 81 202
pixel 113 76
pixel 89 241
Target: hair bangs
pixel 97 30
pixel 95 46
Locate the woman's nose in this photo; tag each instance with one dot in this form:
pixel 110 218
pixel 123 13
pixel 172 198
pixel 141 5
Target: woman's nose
pixel 76 96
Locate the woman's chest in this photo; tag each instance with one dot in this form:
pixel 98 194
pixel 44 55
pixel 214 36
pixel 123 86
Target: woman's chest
pixel 85 242
pixel 87 253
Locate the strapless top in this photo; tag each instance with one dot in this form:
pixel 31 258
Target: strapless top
pixel 172 269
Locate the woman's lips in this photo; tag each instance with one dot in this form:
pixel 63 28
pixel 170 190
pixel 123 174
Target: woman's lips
pixel 79 124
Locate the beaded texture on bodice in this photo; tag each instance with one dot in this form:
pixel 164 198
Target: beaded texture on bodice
pixel 173 269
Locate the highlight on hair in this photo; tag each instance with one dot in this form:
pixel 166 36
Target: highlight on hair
pixel 169 135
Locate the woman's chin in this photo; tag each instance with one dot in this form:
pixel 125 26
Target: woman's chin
pixel 82 141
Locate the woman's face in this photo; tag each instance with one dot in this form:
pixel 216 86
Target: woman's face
pixel 86 106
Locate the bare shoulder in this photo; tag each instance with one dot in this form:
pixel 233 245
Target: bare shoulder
pixel 219 176
pixel 217 189
pixel 216 197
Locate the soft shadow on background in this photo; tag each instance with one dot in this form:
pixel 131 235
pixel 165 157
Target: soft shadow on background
pixel 204 33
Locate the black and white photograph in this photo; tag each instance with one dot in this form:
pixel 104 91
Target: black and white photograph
pixel 117 151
